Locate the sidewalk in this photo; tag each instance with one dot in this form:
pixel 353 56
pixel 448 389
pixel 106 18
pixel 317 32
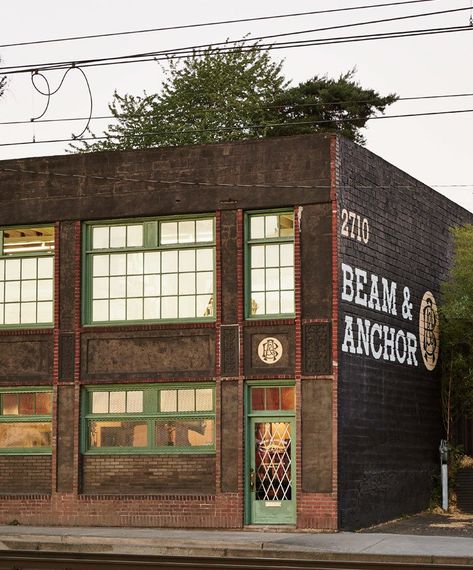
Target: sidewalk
pixel 293 545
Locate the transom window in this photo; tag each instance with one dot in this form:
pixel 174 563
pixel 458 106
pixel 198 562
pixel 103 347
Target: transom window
pixel 149 419
pixel 26 276
pixel 25 421
pixel 270 241
pixel 151 270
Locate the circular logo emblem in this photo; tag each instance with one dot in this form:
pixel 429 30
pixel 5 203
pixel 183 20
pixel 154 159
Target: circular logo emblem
pixel 270 350
pixel 429 330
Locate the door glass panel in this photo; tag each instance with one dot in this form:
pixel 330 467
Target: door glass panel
pixel 273 479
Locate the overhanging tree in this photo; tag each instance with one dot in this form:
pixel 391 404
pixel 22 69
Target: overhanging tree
pixel 233 94
pixel 457 333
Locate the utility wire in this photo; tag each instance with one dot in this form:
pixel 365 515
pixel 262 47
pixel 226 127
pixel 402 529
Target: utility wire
pixel 215 23
pixel 202 111
pixel 243 127
pixel 231 185
pixel 224 46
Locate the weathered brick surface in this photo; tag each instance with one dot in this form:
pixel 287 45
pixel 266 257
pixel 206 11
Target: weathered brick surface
pixel 389 414
pixel 25 474
pixel 144 474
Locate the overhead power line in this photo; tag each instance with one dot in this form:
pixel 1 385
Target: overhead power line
pixel 232 45
pixel 242 127
pixel 197 111
pixel 214 23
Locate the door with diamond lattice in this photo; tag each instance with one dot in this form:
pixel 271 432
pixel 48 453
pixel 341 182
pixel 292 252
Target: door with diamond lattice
pixel 272 474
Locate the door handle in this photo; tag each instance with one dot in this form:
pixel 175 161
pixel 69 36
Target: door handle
pixel 252 479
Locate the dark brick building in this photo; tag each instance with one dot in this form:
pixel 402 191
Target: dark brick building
pixel 219 336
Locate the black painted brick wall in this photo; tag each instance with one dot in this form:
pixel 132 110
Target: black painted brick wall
pixel 25 474
pixel 389 414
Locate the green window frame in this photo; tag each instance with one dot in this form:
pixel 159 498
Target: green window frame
pixel 27 276
pixel 269 282
pixel 150 270
pixel 25 420
pixel 148 419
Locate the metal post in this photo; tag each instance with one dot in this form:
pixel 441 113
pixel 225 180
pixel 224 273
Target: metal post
pixel 443 449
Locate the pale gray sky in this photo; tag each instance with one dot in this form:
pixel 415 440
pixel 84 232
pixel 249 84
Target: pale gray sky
pixel 436 150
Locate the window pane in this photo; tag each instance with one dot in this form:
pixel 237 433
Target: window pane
pixel 271 227
pixel 186 232
pixel 168 400
pixel 134 286
pixel 272 256
pixel 187 284
pixel 187 307
pixel 152 262
pixel 100 238
pixel 169 262
pixel 25 435
pixel 118 236
pixel 287 254
pixel 26 404
pixel 204 230
pixel 134 401
pixel 45 312
pixel 187 260
pixel 117 287
pixel 205 282
pixel 287 301
pixel 286 225
pixel 288 398
pixel 287 278
pixel 43 403
pixel 256 227
pixel 258 304
pixel 152 285
pixel 118 434
pixel 100 402
pixel 28 312
pixel 118 264
pixel 257 399
pixel 204 306
pixel 272 398
pixel 169 284
pixel 257 279
pixel 134 263
pixel 272 279
pixel 205 260
pixel 12 291
pixel 100 265
pixel 28 268
pixel 28 290
pixel 168 232
pixel 134 236
pixel 185 400
pixel 169 308
pixel 151 308
pixel 272 302
pixel 99 288
pixel 257 256
pixel 100 310
pixel 134 309
pixel 117 402
pixel 204 399
pixel 12 269
pixel 12 313
pixel 117 310
pixel 2 269
pixel 184 433
pixel 10 404
pixel 28 240
pixel 45 268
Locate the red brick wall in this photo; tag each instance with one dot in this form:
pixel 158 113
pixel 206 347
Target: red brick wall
pixel 25 474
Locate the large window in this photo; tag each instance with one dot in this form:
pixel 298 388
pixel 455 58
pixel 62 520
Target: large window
pixel 149 419
pixel 150 270
pixel 26 276
pixel 270 277
pixel 25 420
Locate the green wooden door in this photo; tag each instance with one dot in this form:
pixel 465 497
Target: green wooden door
pixel 271 476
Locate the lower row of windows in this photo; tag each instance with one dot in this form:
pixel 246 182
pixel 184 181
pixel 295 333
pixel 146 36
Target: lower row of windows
pixel 133 419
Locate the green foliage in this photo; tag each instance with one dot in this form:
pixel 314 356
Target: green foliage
pixel 327 101
pixel 456 315
pixel 235 94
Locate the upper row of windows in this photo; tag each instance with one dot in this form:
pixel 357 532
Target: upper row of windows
pixel 149 270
